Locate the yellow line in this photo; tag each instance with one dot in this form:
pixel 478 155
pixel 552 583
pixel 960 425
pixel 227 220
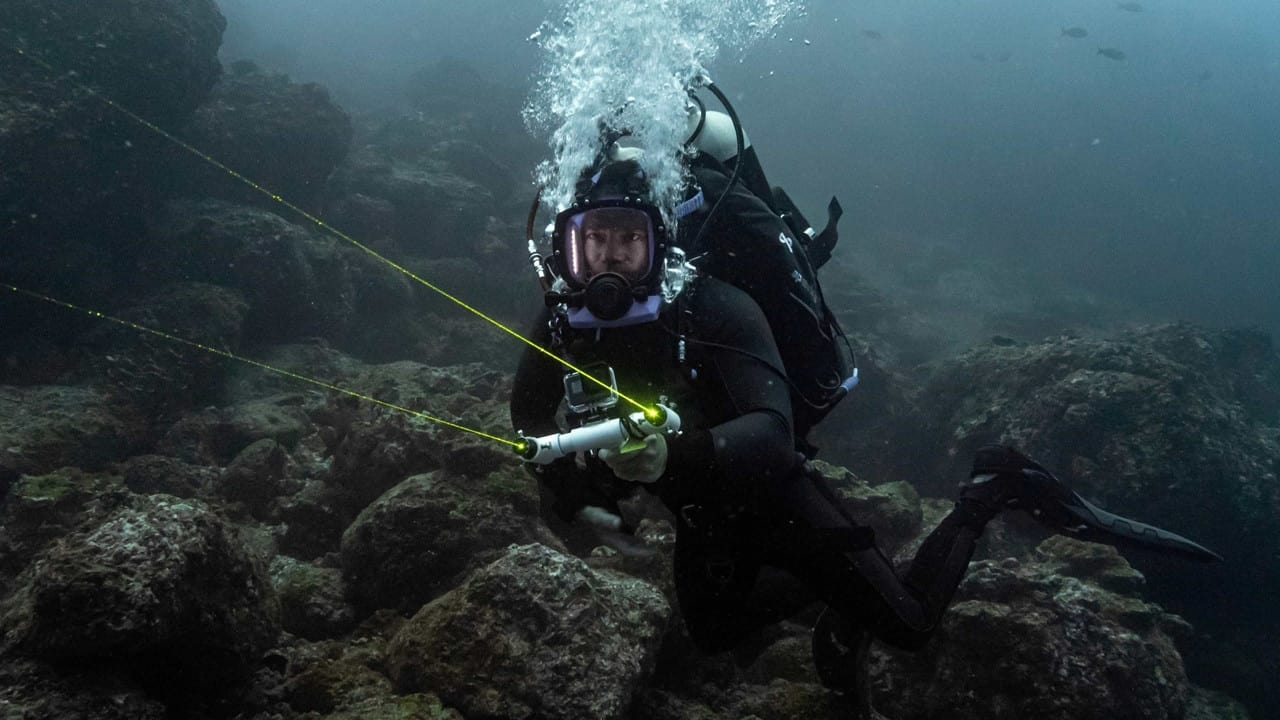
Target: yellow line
pixel 324 226
pixel 264 366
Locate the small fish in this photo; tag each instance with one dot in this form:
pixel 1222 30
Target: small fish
pixel 1075 32
pixel 1130 6
pixel 872 34
pixel 1112 53
pixel 1003 57
pixel 980 57
pixel 1205 76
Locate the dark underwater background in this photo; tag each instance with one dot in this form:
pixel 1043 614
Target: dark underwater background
pixel 1043 245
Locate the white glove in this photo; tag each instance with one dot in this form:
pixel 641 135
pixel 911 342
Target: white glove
pixel 642 466
pixel 599 518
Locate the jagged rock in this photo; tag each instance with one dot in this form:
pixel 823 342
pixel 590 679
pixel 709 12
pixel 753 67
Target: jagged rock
pixel 1023 641
pixel 160 376
pixel 152 474
pixel 255 477
pixel 535 633
pixel 326 685
pixel 39 509
pixel 313 357
pixel 299 281
pixel 371 219
pixel 373 449
pixel 216 435
pixel 272 261
pixel 472 161
pixel 73 170
pixel 64 152
pixel 164 588
pixel 30 689
pixel 53 426
pixel 436 210
pixel 1100 564
pixel 415 541
pixel 343 680
pixel 414 706
pixel 466 105
pixel 891 509
pixel 286 137
pixel 779 699
pixel 1171 424
pixel 1210 705
pixel 312 599
pixel 314 519
pixel 374 453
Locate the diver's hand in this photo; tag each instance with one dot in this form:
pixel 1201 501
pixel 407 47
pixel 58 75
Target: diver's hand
pixel 598 518
pixel 642 466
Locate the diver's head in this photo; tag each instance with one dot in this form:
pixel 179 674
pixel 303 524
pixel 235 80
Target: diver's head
pixel 610 248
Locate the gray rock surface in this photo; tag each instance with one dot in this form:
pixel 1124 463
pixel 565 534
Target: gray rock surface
pixel 1174 425
pixel 534 634
pixel 287 137
pixel 416 541
pixel 165 587
pixel 51 426
pixel 312 599
pixel 156 57
pixel 1035 640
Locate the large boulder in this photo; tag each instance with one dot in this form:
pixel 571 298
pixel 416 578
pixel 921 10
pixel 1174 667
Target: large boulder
pixel 534 634
pixel 312 603
pixel 73 168
pixel 374 449
pixel 286 137
pixel 1046 640
pixel 165 588
pixel 415 542
pixel 1172 424
pixel 162 376
pixel 31 689
pixel 51 426
pixel 300 282
pixel 157 58
pixel 439 210
pixel 215 435
pixel 39 509
pixel 270 260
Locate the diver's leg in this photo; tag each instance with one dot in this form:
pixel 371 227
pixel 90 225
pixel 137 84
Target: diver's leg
pixel 840 654
pixel 1005 479
pixel 726 597
pixel 829 550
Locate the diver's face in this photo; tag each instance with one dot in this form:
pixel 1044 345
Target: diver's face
pixel 616 240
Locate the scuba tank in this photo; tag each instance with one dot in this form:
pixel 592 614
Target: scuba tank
pixel 755 238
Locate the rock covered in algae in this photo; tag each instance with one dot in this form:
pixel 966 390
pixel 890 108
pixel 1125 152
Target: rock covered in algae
pixel 534 634
pixel 165 587
pixel 1043 639
pixel 415 541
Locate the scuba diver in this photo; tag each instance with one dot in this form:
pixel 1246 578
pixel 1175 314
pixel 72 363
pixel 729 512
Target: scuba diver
pixel 724 324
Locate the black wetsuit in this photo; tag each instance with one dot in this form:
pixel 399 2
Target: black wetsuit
pixel 742 496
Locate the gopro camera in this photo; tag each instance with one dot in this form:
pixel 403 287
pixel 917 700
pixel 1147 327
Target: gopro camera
pixel 586 399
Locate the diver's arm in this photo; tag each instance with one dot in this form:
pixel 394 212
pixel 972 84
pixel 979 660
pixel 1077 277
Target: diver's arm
pixel 535 396
pixel 758 442
pixel 538 388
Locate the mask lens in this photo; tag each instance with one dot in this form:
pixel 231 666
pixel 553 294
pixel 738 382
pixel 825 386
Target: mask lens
pixel 614 239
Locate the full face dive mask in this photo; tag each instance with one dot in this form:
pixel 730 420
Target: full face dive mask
pixel 609 249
